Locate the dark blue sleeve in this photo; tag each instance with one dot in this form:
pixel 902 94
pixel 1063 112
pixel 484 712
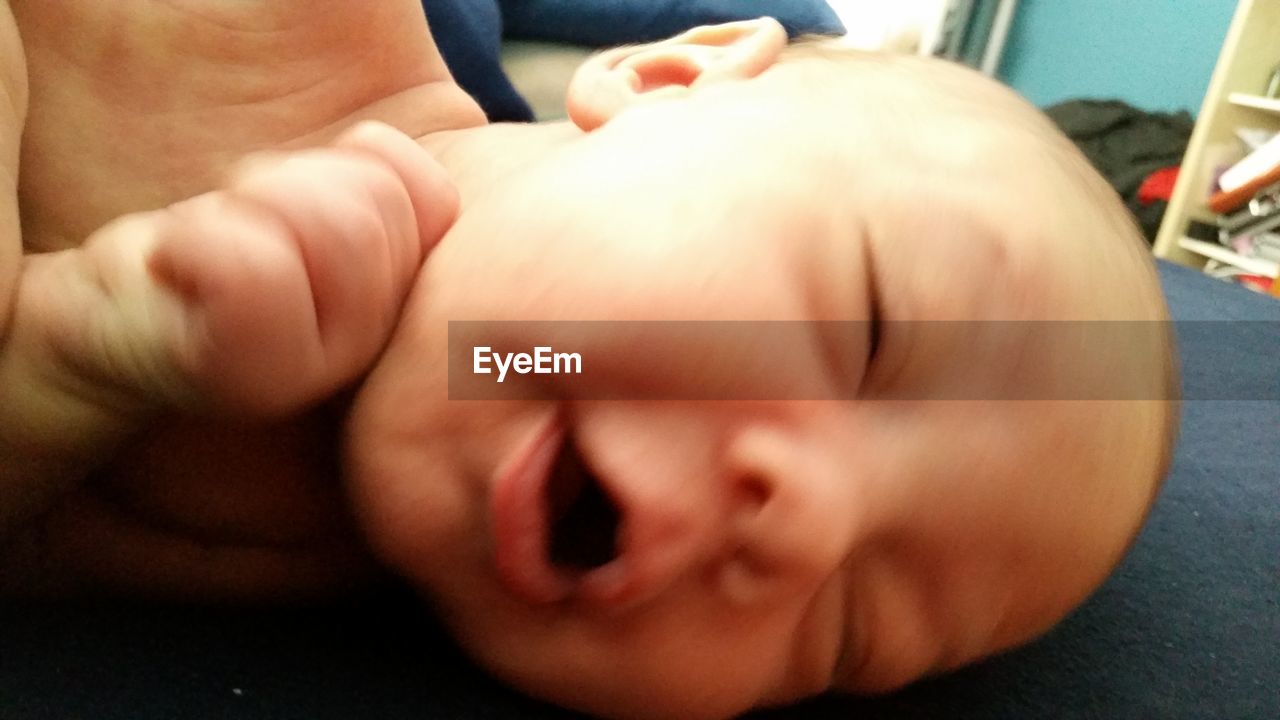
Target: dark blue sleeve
pixel 469 35
pixel 598 23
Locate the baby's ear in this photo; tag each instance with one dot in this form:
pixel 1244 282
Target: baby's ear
pixel 614 80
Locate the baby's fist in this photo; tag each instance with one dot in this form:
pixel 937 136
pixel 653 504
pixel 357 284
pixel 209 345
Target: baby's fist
pixel 291 278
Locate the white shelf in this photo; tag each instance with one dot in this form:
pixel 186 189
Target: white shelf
pixel 1233 101
pixel 1256 266
pixel 1257 102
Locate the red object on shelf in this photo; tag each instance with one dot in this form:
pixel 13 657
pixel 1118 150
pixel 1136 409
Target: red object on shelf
pixel 1224 201
pixel 1259 283
pixel 1158 185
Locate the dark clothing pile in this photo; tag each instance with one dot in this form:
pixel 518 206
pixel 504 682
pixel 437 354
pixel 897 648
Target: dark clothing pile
pixel 1127 145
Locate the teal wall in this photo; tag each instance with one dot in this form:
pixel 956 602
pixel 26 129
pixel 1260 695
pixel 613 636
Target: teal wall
pixel 1155 54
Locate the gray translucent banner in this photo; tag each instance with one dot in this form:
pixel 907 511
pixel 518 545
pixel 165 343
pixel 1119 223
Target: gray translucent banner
pixel 834 360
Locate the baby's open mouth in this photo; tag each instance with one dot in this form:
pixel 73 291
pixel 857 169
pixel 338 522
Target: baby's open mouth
pixel 562 531
pixel 557 531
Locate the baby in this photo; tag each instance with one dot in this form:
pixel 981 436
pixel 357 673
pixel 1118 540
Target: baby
pixel 654 556
pixel 750 552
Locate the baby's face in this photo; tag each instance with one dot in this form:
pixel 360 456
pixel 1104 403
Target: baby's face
pixel 648 556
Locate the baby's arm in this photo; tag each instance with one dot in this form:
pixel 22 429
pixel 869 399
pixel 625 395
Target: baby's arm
pixel 258 299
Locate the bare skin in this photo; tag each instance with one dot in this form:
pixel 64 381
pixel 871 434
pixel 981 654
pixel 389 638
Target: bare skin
pixel 123 110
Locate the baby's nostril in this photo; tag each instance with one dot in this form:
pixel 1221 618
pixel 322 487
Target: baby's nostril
pixel 754 491
pixel 584 521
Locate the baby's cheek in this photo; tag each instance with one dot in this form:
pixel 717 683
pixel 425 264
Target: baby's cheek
pixel 384 471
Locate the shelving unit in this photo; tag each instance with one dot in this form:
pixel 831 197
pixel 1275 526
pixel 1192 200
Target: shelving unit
pixel 1235 100
pixel 1257 102
pixel 1220 254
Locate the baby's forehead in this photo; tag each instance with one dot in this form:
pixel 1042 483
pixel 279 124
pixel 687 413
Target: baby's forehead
pixel 969 203
pixel 928 163
pixel 841 71
pixel 937 113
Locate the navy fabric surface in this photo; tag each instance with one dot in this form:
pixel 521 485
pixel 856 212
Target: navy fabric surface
pixel 1224 338
pixel 469 35
pixel 1186 629
pixel 600 23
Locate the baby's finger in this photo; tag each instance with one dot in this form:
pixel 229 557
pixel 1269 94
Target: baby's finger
pixel 248 338
pixel 434 197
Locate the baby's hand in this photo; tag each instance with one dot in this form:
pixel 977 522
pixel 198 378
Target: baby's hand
pixel 255 300
pixel 289 280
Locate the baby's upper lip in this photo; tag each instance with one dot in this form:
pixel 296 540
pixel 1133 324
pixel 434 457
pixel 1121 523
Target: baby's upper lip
pixel 653 544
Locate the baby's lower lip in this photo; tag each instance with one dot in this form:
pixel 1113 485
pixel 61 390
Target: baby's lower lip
pixel 519 520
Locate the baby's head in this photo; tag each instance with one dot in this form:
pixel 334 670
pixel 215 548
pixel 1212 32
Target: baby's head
pixel 724 555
